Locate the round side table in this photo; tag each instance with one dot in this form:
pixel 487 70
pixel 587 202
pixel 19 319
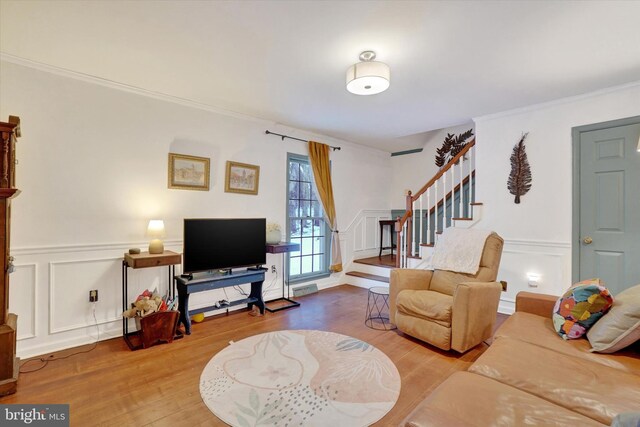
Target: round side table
pixel 377 316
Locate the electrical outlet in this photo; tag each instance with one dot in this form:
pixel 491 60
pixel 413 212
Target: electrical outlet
pixel 93 295
pixel 273 268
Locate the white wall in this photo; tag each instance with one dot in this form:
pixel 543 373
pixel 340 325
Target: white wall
pixel 93 170
pixel 538 230
pixel 412 171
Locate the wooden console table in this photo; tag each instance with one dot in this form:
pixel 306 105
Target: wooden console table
pixel 209 282
pixel 144 260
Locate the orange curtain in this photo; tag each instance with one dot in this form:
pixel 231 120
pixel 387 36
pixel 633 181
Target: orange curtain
pixel 319 159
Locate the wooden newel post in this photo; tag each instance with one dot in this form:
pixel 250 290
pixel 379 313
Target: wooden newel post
pixel 398 228
pixel 9 363
pixel 409 236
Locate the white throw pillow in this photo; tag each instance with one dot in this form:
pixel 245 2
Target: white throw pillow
pixel 620 327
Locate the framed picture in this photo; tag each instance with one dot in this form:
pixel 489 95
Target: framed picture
pixel 188 172
pixel 242 178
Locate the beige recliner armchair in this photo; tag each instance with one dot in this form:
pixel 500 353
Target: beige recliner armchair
pixel 447 309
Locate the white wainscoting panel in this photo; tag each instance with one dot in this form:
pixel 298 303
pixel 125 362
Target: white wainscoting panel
pixel 22 299
pixel 371 232
pixel 551 261
pixel 71 310
pixel 357 236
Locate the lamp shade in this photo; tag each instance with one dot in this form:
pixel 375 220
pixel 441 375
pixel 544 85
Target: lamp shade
pixel 368 78
pixel 155 228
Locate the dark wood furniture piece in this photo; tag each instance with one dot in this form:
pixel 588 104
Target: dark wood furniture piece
pixel 209 282
pixel 144 260
pixel 9 363
pixel 283 248
pixel 391 223
pixel 158 327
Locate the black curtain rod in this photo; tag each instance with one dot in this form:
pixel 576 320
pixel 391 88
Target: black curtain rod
pixel 297 139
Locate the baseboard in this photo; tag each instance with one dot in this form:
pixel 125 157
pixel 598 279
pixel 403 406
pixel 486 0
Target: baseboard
pixel 506 306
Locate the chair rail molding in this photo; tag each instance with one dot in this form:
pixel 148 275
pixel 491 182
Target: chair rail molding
pixel 88 247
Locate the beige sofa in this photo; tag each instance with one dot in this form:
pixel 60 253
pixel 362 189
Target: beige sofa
pixel 530 376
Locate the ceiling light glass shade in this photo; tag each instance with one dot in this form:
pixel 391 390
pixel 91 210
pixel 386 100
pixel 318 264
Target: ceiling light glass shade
pixel 368 78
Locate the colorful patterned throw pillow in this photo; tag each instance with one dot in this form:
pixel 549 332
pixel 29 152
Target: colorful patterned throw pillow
pixel 580 307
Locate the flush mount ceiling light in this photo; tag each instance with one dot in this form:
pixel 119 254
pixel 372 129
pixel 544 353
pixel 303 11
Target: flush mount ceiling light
pixel 368 77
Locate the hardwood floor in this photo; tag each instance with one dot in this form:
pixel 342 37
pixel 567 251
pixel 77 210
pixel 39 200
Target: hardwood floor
pixel 113 386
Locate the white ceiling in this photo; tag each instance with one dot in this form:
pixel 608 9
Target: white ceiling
pixel 285 61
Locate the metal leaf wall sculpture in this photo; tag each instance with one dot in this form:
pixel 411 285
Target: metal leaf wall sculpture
pixel 451 146
pixel 520 177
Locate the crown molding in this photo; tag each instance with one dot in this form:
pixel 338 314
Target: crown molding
pixel 555 102
pixel 88 78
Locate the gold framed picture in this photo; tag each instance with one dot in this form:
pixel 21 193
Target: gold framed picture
pixel 242 178
pixel 188 172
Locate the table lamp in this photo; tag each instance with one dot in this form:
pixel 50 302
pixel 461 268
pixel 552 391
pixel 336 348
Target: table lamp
pixel 155 230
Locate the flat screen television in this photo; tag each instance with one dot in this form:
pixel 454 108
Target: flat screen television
pixel 214 243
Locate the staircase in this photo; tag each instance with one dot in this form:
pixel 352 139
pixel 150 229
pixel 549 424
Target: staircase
pixel 447 200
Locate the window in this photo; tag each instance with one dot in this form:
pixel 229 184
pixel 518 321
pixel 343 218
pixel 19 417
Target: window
pixel 305 223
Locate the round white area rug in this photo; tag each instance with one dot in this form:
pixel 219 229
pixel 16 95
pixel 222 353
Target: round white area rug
pixel 300 378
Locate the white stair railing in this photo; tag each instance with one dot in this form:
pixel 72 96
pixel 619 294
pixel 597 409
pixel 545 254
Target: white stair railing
pixel 406 226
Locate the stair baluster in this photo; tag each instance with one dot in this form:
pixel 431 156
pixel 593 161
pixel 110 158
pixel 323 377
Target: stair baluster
pixel 444 193
pixel 453 199
pixel 461 192
pixel 413 230
pixel 403 246
pixel 421 216
pixel 428 216
pixel 472 164
pixel 435 224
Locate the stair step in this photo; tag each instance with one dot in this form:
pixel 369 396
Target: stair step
pixel 368 276
pixel 385 261
pixel 427 245
pixel 476 204
pixel 462 219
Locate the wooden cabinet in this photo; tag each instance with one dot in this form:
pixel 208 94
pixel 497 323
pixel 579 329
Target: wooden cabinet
pixel 9 363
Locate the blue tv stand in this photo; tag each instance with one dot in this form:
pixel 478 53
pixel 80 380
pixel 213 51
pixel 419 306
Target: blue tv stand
pixel 209 282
